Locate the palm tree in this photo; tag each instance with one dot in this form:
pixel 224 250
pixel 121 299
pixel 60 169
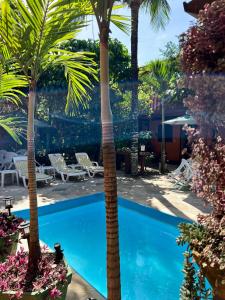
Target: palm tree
pixel 33 30
pixel 159 15
pixel 103 12
pixel 161 73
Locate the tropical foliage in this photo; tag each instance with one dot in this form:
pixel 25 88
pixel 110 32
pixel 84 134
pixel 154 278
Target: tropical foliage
pixel 32 31
pixel 11 84
pixel 52 83
pixel 162 76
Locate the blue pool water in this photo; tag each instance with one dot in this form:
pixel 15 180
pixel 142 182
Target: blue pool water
pixel 151 262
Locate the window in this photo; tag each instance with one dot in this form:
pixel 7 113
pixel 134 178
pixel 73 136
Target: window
pixel 168 133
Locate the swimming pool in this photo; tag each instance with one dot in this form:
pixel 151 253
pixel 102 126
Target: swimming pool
pixel 151 262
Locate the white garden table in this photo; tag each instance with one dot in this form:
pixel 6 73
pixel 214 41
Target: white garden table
pixel 6 172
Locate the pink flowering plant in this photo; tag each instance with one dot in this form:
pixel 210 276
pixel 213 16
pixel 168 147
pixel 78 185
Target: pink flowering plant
pixel 203 62
pixel 8 233
pixel 8 224
pixel 50 276
pixel 207 236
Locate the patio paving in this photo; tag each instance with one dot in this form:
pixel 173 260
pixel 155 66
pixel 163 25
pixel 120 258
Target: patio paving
pixel 153 190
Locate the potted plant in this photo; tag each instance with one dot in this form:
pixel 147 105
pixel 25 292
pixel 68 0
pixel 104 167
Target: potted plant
pixel 9 234
pixel 203 56
pixel 51 279
pixel 206 239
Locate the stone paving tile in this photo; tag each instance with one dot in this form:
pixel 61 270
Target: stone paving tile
pixel 80 290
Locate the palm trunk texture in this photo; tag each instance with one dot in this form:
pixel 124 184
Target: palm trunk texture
pixel 110 181
pixel 34 246
pixel 135 6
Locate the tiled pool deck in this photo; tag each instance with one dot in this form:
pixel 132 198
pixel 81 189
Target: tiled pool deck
pixel 153 190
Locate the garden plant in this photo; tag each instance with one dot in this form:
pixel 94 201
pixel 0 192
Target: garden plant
pixel 203 54
pixel 9 234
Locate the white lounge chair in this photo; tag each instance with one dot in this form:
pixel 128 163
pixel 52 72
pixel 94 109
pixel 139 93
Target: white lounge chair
pixel 91 167
pixel 183 174
pixel 178 171
pixel 21 165
pixel 58 162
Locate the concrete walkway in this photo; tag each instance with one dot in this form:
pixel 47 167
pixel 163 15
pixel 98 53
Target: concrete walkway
pixel 152 190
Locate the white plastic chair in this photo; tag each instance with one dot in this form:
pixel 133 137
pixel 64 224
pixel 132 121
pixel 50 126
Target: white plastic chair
pixel 178 171
pixel 92 167
pixel 22 152
pixel 21 165
pixel 183 174
pixel 58 163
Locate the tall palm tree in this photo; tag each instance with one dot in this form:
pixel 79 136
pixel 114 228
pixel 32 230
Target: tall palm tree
pixel 33 30
pixel 103 12
pixel 159 15
pixel 161 73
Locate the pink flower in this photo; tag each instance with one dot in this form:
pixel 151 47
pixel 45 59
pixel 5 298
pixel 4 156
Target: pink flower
pixel 13 274
pixel 45 248
pixel 55 293
pixel 19 294
pixel 3 285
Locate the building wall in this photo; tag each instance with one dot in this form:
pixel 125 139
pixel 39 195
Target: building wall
pixel 173 147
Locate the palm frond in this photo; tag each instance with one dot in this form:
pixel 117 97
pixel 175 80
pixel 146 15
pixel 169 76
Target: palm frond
pixel 158 68
pixel 15 127
pixel 37 28
pixel 80 69
pixel 10 84
pixel 31 28
pixel 159 12
pixel 120 21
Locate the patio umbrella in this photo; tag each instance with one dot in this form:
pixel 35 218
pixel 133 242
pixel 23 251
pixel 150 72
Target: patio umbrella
pixel 181 121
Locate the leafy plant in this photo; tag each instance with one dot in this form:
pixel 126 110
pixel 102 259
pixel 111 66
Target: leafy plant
pixel 194 285
pixel 13 275
pixel 8 224
pixel 203 63
pixel 8 233
pixel 11 85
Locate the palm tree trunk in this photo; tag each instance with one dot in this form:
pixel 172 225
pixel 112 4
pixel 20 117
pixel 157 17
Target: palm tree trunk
pixel 34 246
pixel 110 181
pixel 135 6
pixel 163 142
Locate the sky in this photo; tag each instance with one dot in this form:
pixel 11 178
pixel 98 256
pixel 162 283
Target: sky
pixel 150 42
